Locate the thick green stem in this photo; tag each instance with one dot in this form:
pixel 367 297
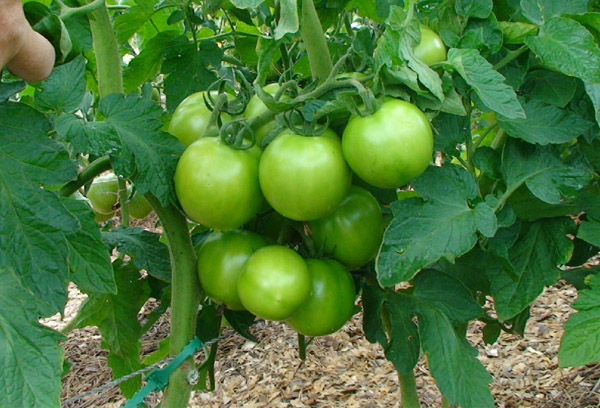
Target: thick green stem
pixel 123 196
pixel 106 47
pixel 301 346
pixel 88 174
pixel 509 57
pixel 186 293
pixel 408 389
pixel 315 42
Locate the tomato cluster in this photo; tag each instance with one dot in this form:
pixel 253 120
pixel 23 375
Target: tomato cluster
pixel 302 179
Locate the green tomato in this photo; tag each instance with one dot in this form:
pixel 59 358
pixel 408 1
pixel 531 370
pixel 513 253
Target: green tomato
pixel 138 206
pixel 331 300
pixel 217 185
pixel 191 117
pixel 221 258
pixel 274 283
pixel 256 107
pixel 390 147
pixel 304 178
pixel 104 193
pixel 353 232
pixel 431 48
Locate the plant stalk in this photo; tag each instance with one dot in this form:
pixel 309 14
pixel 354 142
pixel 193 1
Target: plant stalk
pixel 408 389
pixel 185 298
pixel 315 42
pixel 95 168
pixel 108 57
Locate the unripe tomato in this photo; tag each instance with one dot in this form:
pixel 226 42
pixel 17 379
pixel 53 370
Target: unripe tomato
pixel 138 206
pixel 304 177
pixel 390 147
pixel 256 107
pixel 331 300
pixel 431 48
pixel 221 258
pixel 103 195
pixel 217 185
pixel 274 283
pixel 353 232
pixel 191 117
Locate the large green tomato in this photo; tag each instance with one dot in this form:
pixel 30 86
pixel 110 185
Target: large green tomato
pixel 304 178
pixel 103 195
pixel 331 300
pixel 217 185
pixel 431 48
pixel 256 107
pixel 191 117
pixel 274 283
pixel 221 258
pixel 390 147
pixel 353 232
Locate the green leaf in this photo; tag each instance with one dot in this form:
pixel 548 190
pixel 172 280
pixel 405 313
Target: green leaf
pixel 545 124
pixel 131 134
pixel 144 248
pixel 403 347
pixel 31 359
pixel 288 18
pixel 432 287
pixel 487 83
pixel 565 45
pixel 451 130
pixel 148 62
pixel 484 35
pixel 247 3
pixel 241 321
pixel 538 11
pixel 580 343
pixel 423 231
pixel 129 22
pixel 89 258
pixel 474 8
pixel 540 168
pixel 533 259
pixel 593 91
pixel 516 32
pixel 553 88
pixel 116 317
pixel 453 362
pixel 589 231
pixel 34 221
pixel 64 89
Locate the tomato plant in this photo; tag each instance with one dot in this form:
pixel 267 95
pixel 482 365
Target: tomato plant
pixel 304 178
pixel 483 149
pixel 352 233
pixel 274 282
pixel 221 258
pixel 389 147
pixel 331 300
pixel 216 185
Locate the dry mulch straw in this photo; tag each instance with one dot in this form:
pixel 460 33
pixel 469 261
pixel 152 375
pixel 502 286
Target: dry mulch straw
pixel 344 370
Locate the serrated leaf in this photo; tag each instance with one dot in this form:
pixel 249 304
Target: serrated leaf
pixel 579 345
pixel 131 134
pixel 148 62
pixel 31 359
pixel 448 294
pixel 545 124
pixel 453 362
pixel 589 231
pixel 482 34
pixel 541 169
pixel 116 317
pixel 473 8
pixel 538 11
pixel 89 258
pixel 534 260
pixel 565 45
pixel 64 89
pixel 487 83
pixel 451 130
pixel 33 221
pixel 144 248
pixel 129 22
pixel 422 232
pixel 553 88
pixel 403 347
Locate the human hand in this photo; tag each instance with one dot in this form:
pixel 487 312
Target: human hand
pixel 25 52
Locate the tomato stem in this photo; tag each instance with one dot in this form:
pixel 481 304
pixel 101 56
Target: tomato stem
pixel 509 57
pixel 96 167
pixel 186 293
pixel 302 346
pixel 123 196
pixel 315 42
pixel 408 389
